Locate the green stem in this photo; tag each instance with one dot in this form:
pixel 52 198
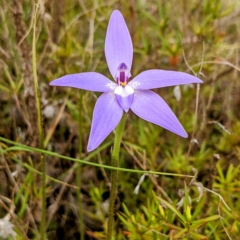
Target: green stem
pixel 21 147
pixel 40 127
pixel 79 170
pixel 115 158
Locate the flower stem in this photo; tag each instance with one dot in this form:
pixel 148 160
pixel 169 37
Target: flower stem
pixel 79 170
pixel 40 127
pixel 114 174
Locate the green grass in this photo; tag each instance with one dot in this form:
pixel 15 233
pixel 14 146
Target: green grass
pixel 197 37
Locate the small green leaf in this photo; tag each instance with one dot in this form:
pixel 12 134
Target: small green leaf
pixel 198 223
pixel 188 213
pixel 126 210
pixel 186 205
pixel 161 211
pixel 199 207
pixel 198 236
pixel 173 209
pixel 171 226
pixel 128 224
pixel 180 233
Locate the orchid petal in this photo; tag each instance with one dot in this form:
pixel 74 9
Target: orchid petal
pixel 106 116
pixel 118 44
pixel 160 78
pixel 152 108
pixel 91 81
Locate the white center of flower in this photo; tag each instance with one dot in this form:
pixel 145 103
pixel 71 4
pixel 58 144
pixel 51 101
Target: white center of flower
pixel 124 96
pixel 124 91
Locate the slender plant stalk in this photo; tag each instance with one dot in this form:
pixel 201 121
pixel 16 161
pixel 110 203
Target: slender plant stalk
pixel 40 127
pixel 114 174
pixel 21 147
pixel 79 170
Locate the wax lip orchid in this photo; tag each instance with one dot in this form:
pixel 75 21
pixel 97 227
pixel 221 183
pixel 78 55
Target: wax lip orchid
pixel 123 94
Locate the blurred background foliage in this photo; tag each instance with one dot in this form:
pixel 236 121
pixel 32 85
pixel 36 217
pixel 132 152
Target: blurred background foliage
pixel 200 37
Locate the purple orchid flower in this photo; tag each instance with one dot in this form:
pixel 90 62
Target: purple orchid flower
pixel 123 95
